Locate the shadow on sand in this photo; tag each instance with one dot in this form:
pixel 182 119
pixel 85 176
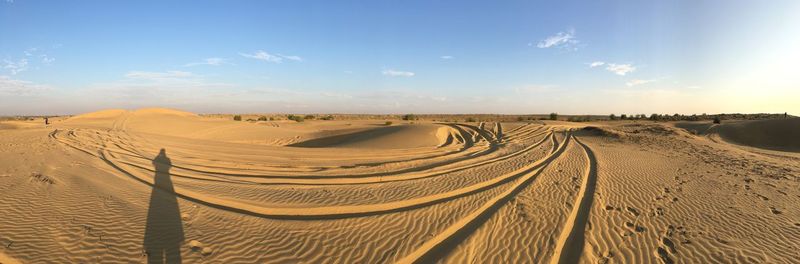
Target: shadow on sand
pixel 163 234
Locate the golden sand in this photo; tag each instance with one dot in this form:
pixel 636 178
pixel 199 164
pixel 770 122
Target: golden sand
pixel 150 185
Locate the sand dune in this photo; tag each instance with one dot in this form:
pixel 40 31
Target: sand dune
pixel 122 186
pixel 776 134
pixel 405 136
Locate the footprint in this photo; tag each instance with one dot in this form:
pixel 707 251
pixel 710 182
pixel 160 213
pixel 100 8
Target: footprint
pixel 775 210
pixel 636 228
pixel 632 210
pixel 668 243
pixel 662 254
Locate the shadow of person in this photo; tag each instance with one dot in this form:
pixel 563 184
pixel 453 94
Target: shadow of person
pixel 163 234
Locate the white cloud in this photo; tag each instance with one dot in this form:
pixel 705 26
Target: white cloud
pixel 620 69
pixel 264 56
pixel 596 64
pixel 635 82
pixel 562 39
pixel 446 57
pixel 16 67
pixel 47 60
pixel 293 58
pixel 14 87
pixel 395 73
pixel 275 58
pixel 208 61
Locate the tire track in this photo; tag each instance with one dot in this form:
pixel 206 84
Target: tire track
pixel 441 244
pixel 571 241
pixel 327 212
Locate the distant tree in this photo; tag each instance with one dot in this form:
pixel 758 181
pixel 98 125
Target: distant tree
pixel 328 117
pixel 262 118
pixel 310 117
pixel 612 117
pixel 717 120
pixel 623 116
pixel 409 117
pixel 296 118
pixel 654 117
pixel 553 116
pixel 237 118
pixel 520 118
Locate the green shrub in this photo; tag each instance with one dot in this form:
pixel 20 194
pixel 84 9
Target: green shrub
pixel 296 118
pixel 237 118
pixel 717 120
pixel 471 119
pixel 388 123
pixel 262 118
pixel 328 117
pixel 612 117
pixel 310 117
pixel 553 116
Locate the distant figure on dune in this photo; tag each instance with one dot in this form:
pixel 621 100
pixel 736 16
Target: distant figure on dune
pixel 46 121
pixel 164 231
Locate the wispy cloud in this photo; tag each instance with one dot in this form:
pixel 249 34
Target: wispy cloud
pixel 47 60
pixel 289 57
pixel 13 87
pixel 16 67
pixel 636 82
pixel 28 61
pixel 596 64
pixel 274 58
pixel 620 69
pixel 395 73
pixel 564 39
pixel 208 61
pixel 447 57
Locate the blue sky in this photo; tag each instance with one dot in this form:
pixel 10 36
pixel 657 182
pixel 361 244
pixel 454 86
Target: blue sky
pixel 572 57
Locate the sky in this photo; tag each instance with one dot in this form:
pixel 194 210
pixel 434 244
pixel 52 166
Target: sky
pixel 506 57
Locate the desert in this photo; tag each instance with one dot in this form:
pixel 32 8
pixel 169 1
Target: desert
pixel 353 131
pixel 159 184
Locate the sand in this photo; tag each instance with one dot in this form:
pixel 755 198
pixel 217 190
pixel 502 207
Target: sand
pixel 162 185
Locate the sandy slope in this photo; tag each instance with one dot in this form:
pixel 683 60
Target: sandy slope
pixel 131 186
